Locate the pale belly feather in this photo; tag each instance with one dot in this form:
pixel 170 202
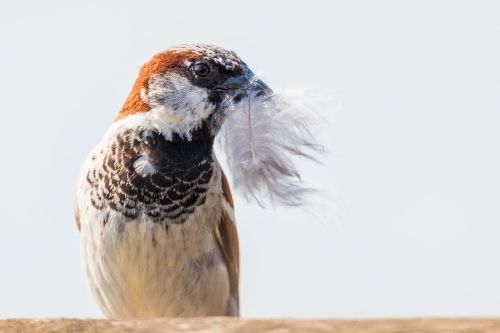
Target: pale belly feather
pixel 140 269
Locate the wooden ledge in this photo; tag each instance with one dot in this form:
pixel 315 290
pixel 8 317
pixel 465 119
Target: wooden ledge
pixel 227 325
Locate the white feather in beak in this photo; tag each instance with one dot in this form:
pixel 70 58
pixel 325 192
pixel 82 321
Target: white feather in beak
pixel 261 135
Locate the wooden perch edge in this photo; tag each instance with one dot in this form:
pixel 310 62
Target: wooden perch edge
pixel 231 325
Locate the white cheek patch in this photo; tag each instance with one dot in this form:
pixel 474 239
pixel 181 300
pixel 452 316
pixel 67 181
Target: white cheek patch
pixel 177 106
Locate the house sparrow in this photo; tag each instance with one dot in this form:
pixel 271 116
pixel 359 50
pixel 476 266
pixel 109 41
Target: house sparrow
pixel 153 206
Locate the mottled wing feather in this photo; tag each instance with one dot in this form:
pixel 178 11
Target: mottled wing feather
pixel 226 190
pixel 227 237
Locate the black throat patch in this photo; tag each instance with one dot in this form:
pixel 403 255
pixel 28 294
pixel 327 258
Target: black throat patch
pixel 142 172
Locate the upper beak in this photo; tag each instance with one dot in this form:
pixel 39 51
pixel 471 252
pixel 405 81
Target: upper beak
pixel 243 85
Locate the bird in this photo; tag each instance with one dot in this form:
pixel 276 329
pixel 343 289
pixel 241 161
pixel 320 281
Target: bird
pixel 153 206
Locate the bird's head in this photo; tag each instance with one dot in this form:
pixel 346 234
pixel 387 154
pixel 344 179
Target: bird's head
pixel 189 86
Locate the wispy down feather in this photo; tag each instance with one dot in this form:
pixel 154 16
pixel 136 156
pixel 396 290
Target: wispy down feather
pixel 261 136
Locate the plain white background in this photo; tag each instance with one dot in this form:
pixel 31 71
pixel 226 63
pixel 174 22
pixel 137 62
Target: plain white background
pixel 413 217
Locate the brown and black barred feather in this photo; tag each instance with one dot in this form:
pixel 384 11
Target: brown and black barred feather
pixel 174 186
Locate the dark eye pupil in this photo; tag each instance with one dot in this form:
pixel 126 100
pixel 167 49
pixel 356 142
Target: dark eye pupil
pixel 201 70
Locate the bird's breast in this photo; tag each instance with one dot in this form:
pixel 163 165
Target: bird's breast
pixel 140 172
pixel 148 210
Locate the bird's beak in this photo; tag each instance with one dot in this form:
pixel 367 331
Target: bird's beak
pixel 235 89
pixel 246 84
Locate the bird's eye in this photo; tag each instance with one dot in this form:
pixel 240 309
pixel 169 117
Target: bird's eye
pixel 201 69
